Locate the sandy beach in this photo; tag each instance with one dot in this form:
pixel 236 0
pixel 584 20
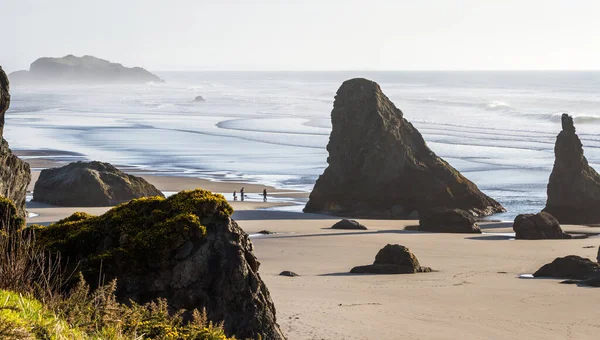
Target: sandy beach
pixel 474 293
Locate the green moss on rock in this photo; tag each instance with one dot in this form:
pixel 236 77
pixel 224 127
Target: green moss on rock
pixel 139 234
pixel 9 215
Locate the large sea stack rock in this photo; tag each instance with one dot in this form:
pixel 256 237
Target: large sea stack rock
pixel 184 248
pixel 538 227
pixel 15 174
pixel 90 184
pixel 76 70
pixel 449 221
pixel 574 186
pixel 392 259
pixel 380 166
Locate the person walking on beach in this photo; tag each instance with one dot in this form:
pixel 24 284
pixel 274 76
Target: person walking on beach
pixel 265 195
pixel 234 196
pixel 242 193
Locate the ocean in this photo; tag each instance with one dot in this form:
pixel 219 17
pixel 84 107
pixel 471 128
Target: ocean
pixel 497 128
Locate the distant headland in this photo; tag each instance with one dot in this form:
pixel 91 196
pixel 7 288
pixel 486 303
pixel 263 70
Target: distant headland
pixel 81 70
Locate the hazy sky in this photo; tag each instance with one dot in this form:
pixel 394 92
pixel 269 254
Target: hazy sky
pixel 306 34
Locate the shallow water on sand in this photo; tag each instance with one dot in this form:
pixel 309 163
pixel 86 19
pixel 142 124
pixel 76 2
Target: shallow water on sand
pixel 498 128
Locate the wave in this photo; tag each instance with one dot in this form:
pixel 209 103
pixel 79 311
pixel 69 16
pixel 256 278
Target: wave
pixel 577 118
pixel 494 105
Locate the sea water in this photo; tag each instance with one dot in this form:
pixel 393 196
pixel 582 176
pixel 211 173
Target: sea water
pixel 497 128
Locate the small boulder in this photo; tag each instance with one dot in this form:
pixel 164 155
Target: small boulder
pixel 392 259
pixel 537 227
pixel 449 221
pixel 348 224
pixel 199 99
pixel 288 273
pixel 265 232
pixel 570 267
pixel 90 184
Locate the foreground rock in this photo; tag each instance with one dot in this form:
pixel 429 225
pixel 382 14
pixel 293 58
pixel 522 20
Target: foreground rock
pixel 380 166
pixel 572 267
pixel 15 174
pixel 184 248
pixel 449 221
pixel 86 69
pixel 538 227
pixel 574 186
pixel 392 259
pixel 348 224
pixel 90 184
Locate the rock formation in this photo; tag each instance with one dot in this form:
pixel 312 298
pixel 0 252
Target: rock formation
pixel 570 267
pixel 537 227
pixel 348 224
pixel 380 166
pixel 392 259
pixel 15 174
pixel 184 248
pixel 574 186
pixel 76 70
pixel 199 99
pixel 449 221
pixel 90 184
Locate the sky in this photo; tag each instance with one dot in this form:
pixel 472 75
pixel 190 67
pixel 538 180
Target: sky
pixel 163 35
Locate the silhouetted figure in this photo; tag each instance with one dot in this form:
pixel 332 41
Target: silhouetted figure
pixel 234 196
pixel 242 193
pixel 264 195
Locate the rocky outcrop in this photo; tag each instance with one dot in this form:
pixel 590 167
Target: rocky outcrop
pixel 185 248
pixel 90 184
pixel 574 186
pixel 538 227
pixel 15 174
pixel 199 99
pixel 348 224
pixel 449 221
pixel 76 70
pixel 392 259
pixel 570 267
pixel 380 166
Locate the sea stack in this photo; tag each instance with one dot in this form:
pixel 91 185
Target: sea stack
pixel 380 166
pixel 574 186
pixel 15 174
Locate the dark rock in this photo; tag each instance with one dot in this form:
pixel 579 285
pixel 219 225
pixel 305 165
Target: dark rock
pixel 570 267
pixel 537 227
pixel 199 99
pixel 348 224
pixel 90 184
pixel 184 248
pixel 266 232
pixel 392 259
pixel 15 174
pixel 449 221
pixel 380 166
pixel 288 273
pixel 86 69
pixel 574 186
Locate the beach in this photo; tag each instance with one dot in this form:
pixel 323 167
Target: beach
pixel 475 291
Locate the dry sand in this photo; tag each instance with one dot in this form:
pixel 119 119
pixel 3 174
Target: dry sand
pixel 476 292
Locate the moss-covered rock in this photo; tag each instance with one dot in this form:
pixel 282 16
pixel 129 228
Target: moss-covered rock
pixel 184 248
pixel 9 215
